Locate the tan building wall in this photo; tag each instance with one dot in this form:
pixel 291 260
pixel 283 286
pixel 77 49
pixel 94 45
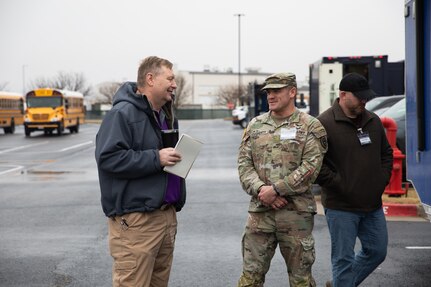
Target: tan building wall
pixel 203 86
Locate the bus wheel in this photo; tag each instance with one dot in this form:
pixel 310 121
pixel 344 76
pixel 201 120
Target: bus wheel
pixel 60 128
pixel 77 127
pixel 27 131
pixel 12 127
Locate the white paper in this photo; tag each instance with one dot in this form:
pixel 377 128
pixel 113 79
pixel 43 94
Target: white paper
pixel 189 149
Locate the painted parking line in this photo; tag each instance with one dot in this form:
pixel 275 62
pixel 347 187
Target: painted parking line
pixel 16 168
pixel 76 146
pixel 418 247
pixel 23 147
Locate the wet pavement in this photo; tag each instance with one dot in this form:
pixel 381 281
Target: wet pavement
pixel 53 231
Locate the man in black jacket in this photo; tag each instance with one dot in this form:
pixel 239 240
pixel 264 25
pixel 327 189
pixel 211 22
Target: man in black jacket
pixel 354 174
pixel 139 198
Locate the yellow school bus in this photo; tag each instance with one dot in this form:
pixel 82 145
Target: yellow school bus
pixel 53 109
pixel 11 111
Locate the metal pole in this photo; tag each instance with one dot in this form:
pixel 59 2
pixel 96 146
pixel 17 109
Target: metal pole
pixel 23 78
pixel 239 55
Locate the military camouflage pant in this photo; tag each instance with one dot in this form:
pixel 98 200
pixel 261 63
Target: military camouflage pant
pixel 291 230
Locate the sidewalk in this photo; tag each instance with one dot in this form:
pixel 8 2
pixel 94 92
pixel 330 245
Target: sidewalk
pixel 403 208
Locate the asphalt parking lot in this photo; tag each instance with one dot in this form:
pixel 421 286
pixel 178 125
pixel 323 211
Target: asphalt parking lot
pixel 53 231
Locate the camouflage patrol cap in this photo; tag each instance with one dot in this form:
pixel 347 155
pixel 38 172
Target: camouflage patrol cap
pixel 280 80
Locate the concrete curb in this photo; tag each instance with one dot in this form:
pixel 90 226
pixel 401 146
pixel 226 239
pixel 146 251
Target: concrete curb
pixel 391 210
pixel 93 121
pixel 402 209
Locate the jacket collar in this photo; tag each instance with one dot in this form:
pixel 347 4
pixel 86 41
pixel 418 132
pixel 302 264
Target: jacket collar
pixel 294 118
pixel 167 109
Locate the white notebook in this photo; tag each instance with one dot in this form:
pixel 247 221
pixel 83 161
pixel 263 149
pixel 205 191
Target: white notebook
pixel 189 149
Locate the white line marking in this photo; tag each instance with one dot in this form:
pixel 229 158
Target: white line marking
pixel 76 146
pixel 12 169
pixel 418 247
pixel 22 147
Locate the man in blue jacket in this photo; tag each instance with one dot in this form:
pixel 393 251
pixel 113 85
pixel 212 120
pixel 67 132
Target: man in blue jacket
pixel 140 199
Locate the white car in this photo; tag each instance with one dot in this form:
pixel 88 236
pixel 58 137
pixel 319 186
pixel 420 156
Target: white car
pixel 240 116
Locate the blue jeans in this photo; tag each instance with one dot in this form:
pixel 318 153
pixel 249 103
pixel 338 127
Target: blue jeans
pixel 350 269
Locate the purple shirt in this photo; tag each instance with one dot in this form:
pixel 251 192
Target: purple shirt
pixel 173 191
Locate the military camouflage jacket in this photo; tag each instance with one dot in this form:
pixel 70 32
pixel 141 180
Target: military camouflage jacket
pixel 288 156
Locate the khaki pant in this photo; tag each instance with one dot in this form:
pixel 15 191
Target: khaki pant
pixel 142 246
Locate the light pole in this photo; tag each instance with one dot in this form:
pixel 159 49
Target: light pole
pixel 239 56
pixel 23 78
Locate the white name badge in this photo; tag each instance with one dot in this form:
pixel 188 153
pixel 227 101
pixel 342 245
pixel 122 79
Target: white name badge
pixel 288 134
pixel 364 139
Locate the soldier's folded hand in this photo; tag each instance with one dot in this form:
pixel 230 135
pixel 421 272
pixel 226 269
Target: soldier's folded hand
pixel 267 195
pixel 279 202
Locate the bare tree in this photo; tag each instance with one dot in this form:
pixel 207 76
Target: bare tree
pixel 108 90
pixel 182 92
pixel 231 94
pixel 67 81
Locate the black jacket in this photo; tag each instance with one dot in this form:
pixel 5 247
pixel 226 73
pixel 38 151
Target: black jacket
pixel 353 177
pixel 127 155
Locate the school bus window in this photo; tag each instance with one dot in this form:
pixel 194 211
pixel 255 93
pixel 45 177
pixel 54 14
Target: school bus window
pixel 35 102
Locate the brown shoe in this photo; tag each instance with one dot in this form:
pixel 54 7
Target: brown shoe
pixel 328 284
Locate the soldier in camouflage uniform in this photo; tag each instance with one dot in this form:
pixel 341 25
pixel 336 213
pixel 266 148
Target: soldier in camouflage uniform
pixel 280 157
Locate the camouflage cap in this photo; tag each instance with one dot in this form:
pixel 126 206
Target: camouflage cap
pixel 280 80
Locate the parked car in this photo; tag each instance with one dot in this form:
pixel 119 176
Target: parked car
pixel 398 113
pixel 380 104
pixel 240 116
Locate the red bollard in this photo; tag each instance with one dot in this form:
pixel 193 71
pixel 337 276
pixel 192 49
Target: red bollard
pixel 395 184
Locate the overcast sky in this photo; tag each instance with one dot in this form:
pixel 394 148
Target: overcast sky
pixel 106 39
